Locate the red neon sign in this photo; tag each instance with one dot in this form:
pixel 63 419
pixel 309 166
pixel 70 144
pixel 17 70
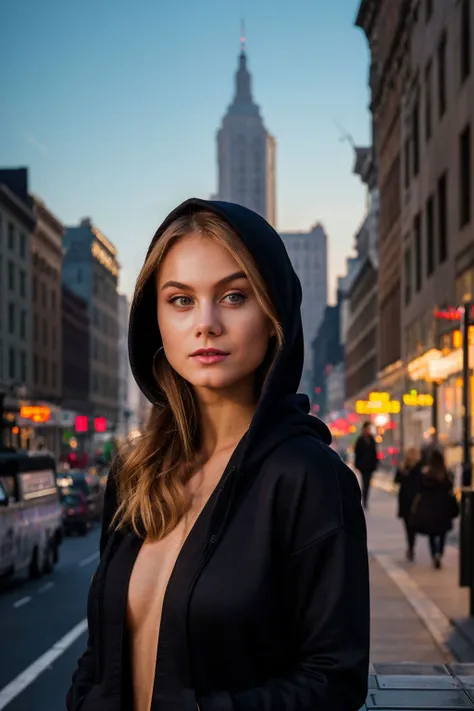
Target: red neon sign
pixel 82 423
pixel 451 314
pixel 100 424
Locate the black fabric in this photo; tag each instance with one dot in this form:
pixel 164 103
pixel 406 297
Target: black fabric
pixel 434 507
pixel 365 454
pixel 268 604
pixel 410 483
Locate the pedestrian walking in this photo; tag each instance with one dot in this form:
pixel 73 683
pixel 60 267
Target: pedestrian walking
pixel 234 568
pixel 408 477
pixel 366 459
pixel 435 506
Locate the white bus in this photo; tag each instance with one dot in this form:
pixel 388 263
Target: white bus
pixel 30 514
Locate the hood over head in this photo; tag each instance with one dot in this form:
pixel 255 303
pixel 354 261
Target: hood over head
pixel 279 410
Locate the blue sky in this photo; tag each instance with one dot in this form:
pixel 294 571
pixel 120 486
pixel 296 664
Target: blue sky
pixel 114 108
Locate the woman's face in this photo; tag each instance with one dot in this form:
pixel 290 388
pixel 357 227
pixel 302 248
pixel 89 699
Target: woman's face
pixel 215 335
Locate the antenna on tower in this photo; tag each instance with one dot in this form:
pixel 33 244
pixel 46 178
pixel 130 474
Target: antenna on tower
pixel 243 39
pixel 345 135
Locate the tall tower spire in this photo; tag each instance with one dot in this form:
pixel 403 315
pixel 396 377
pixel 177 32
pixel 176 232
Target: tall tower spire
pixel 243 38
pixel 243 81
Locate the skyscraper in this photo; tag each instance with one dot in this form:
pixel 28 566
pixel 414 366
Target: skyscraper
pixel 246 150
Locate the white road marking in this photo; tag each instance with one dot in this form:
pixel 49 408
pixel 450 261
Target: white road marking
pixel 23 601
pixel 28 676
pixel 432 617
pixel 45 587
pixel 89 559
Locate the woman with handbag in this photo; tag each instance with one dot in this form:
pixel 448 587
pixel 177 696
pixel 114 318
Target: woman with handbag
pixel 435 507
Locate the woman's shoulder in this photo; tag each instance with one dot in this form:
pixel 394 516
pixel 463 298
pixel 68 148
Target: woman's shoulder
pixel 313 484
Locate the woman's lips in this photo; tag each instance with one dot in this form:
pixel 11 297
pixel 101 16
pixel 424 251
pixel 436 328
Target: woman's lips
pixel 209 358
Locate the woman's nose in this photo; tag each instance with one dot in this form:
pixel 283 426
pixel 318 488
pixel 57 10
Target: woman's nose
pixel 208 321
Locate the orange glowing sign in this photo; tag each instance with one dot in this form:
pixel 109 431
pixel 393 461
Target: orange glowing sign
pixel 37 413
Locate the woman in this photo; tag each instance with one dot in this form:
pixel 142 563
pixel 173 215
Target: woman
pixel 408 476
pixel 435 507
pixel 233 572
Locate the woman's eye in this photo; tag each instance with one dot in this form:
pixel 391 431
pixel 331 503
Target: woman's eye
pixel 235 298
pixel 181 300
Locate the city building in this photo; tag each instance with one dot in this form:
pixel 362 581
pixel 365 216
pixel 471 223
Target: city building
pixel 91 271
pixel 75 369
pixel 385 24
pixel 437 215
pixel 246 151
pixel 327 354
pixel 46 280
pixel 125 412
pixel 17 222
pixel 308 254
pixel 75 353
pixel 361 342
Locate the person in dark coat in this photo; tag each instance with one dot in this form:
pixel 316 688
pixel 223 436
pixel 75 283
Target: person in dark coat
pixel 234 569
pixel 435 507
pixel 408 477
pixel 366 459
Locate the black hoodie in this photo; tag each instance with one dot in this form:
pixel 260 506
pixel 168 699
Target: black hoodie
pixel 267 608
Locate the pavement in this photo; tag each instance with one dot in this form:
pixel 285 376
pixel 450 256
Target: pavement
pixel 418 615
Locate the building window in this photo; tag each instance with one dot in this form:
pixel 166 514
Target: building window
pixel 79 276
pixel 11 318
pixel 23 367
pixel 428 79
pixel 23 245
pixel 45 372
pixel 442 75
pixel 11 363
pixel 430 238
pixel 35 289
pixel 465 45
pixel 11 276
pixel 43 296
pixel 443 218
pixel 11 235
pixel 36 369
pixel 23 324
pixel 465 177
pixel 418 253
pixel 45 333
pixel 415 127
pixel 53 301
pixel 23 284
pixel 407 276
pixel 54 381
pixel 35 328
pixel 428 10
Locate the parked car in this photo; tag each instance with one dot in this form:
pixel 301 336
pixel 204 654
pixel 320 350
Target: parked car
pixel 76 514
pixel 89 484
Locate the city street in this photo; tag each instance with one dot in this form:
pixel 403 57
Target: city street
pixel 35 616
pixel 412 609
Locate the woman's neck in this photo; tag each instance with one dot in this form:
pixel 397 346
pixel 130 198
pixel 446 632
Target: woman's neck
pixel 224 421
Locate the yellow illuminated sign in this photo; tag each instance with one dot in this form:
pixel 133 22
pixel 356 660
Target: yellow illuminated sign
pixel 37 413
pixel 417 400
pixel 379 403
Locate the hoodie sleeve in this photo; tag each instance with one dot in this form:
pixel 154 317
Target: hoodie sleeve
pixel 329 610
pixel 83 678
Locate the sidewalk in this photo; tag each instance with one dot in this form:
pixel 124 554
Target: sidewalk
pixel 413 606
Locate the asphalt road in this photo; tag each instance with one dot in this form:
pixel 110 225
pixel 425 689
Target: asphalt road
pixel 34 616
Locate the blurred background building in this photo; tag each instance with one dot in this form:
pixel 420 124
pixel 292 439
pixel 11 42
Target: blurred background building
pixel 308 254
pixel 246 152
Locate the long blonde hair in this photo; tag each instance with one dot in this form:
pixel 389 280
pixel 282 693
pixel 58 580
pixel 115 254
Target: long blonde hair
pixel 153 472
